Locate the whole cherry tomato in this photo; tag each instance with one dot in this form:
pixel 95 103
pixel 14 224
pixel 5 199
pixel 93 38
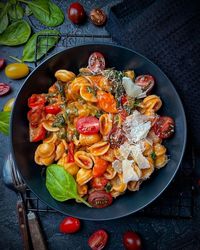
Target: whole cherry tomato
pixel 52 109
pixel 2 63
pixel 96 62
pixel 37 133
pixel 4 89
pixel 76 13
pixel 36 100
pixel 98 240
pixel 164 127
pixel 132 241
pixel 98 182
pixel 100 199
pixel 16 70
pixel 69 225
pixel 100 167
pixel 145 82
pixel 87 125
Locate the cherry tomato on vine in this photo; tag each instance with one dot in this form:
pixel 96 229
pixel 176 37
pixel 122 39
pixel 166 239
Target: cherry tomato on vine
pixel 76 13
pixel 98 240
pixel 69 225
pixel 132 241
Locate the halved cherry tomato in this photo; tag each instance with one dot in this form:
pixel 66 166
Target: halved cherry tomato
pixel 98 240
pixel 132 241
pixel 100 199
pixel 2 63
pixel 100 167
pixel 53 109
pixel 117 137
pixel 35 116
pixel 164 127
pixel 4 88
pixel 69 225
pixel 107 101
pixel 37 133
pixel 71 152
pixel 36 100
pixel 145 82
pixel 96 62
pixel 87 125
pixel 99 182
pixel 124 99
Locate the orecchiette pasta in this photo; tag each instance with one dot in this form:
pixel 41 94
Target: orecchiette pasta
pixel 102 127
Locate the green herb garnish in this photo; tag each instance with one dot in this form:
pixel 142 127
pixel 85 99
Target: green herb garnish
pixel 153 156
pixel 4 122
pixel 108 187
pixel 59 121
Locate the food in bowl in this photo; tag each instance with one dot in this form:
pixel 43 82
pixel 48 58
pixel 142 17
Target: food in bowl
pixel 100 132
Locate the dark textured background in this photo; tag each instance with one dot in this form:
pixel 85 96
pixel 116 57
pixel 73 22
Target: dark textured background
pixel 156 233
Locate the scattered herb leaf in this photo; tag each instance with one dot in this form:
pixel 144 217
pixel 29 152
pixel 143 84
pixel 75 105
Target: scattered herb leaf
pixel 153 156
pixel 4 122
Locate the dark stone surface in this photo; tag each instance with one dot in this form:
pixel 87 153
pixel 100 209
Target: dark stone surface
pixel 156 233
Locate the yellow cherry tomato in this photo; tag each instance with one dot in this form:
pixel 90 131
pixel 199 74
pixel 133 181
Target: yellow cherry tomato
pixel 8 105
pixel 16 70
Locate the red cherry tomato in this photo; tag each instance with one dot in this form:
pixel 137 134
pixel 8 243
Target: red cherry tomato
pixel 36 100
pixel 87 125
pixel 132 241
pixel 69 225
pixel 124 99
pixel 76 13
pixel 99 182
pixel 2 63
pixel 164 127
pixel 96 62
pixel 35 116
pixel 37 133
pixel 4 89
pixel 98 240
pixel 100 167
pixel 117 137
pixel 71 152
pixel 100 199
pixel 52 109
pixel 145 82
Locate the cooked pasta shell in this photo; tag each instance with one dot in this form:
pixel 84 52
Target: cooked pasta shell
pixel 148 171
pixel 49 160
pixel 83 176
pixel 48 126
pixel 118 184
pixel 83 159
pixel 60 149
pixel 159 149
pixel 37 159
pixel 110 172
pixel 52 138
pixel 109 155
pixel 88 94
pixel 64 75
pixel 161 161
pixel 152 102
pixel 105 122
pixel 82 190
pixel 153 137
pixel 45 150
pixel 148 148
pixel 115 193
pixel 87 140
pixel 99 148
pixel 71 168
pixel 134 185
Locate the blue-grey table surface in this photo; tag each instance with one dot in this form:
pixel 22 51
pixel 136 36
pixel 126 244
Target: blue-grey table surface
pixel 156 233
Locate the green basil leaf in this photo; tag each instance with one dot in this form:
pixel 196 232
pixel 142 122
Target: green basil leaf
pixel 17 33
pixel 4 122
pixel 15 12
pixel 28 11
pixel 61 185
pixel 42 47
pixel 46 12
pixel 3 17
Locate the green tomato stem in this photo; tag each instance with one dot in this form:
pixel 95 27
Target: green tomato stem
pixel 16 59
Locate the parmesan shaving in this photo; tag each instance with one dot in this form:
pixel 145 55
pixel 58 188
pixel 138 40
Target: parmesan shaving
pixel 139 158
pixel 129 174
pixel 117 165
pixel 131 88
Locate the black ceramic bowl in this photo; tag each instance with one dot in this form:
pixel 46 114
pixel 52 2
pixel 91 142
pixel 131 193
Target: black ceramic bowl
pixel 72 59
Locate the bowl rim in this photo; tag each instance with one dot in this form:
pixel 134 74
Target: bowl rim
pixel 182 114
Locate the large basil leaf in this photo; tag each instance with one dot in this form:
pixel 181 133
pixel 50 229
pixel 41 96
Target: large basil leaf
pixel 61 185
pixel 4 122
pixel 15 12
pixel 49 37
pixel 46 12
pixel 3 17
pixel 17 33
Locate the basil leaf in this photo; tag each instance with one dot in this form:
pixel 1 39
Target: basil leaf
pixel 3 17
pixel 28 11
pixel 4 122
pixel 46 12
pixel 15 12
pixel 61 185
pixel 17 33
pixel 42 47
